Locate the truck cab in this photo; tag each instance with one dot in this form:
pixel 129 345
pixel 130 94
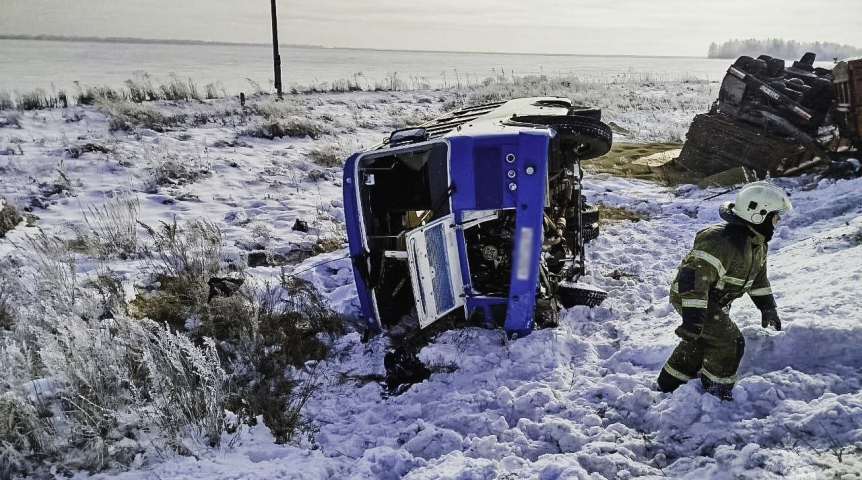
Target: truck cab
pixel 477 213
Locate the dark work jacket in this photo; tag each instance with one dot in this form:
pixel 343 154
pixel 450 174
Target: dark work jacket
pixel 726 262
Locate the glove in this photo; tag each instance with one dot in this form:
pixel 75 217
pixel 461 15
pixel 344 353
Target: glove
pixel 769 317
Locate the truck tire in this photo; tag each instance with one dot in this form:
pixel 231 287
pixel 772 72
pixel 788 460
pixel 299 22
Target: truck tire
pixel 595 136
pixel 570 294
pixel 590 232
pixel 590 214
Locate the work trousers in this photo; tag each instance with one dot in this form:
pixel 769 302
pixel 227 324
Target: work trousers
pixel 715 354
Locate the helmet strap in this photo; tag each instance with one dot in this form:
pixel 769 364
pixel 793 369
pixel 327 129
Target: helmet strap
pixel 755 217
pixel 765 228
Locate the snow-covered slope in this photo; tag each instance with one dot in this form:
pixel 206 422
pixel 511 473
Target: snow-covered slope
pixel 577 401
pixel 580 399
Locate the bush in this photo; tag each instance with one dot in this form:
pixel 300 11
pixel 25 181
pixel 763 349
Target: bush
pixel 124 115
pixel 177 89
pixel 92 95
pixel 118 388
pixel 7 318
pixel 291 127
pixel 111 230
pixel 9 217
pixel 274 350
pixel 191 253
pixel 84 390
pixel 84 386
pixel 6 101
pixel 10 119
pixel 181 260
pixel 141 89
pixel 53 275
pixel 264 343
pixel 214 90
pixel 20 434
pixel 346 85
pixel 169 168
pixel 390 84
pixel 191 386
pixel 82 395
pixel 39 99
pixel 173 303
pixel 328 156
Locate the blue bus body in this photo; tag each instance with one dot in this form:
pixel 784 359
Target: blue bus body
pixel 462 215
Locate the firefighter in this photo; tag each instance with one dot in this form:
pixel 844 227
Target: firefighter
pixel 726 261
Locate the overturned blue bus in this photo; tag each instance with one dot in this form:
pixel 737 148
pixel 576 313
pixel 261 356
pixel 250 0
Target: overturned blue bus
pixel 477 213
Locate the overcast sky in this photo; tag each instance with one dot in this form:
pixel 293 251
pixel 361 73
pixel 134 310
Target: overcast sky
pixel 619 27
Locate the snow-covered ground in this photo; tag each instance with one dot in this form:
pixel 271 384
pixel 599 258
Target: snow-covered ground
pixel 578 401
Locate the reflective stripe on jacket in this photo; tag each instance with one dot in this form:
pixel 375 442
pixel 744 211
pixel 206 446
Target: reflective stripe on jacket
pixel 725 262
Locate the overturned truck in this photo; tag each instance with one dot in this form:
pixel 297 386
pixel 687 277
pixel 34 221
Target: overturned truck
pixel 780 121
pixel 478 213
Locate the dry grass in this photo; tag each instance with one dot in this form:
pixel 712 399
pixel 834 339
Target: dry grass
pixel 6 102
pixel 9 217
pixel 111 230
pixel 332 155
pixel 295 127
pixel 166 376
pixel 260 338
pixel 610 214
pixel 618 161
pixel 260 342
pixel 127 116
pixel 175 300
pixel 328 244
pixel 7 316
pixel 263 341
pixel 10 119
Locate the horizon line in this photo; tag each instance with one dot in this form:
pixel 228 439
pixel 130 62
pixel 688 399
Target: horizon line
pixel 168 41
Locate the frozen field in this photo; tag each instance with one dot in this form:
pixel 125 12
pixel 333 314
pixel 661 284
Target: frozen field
pixel 51 65
pixel 575 402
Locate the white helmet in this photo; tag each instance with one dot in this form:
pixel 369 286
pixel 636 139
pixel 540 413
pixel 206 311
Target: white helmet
pixel 757 200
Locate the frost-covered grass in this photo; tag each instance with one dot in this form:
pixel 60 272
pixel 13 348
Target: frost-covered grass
pixel 120 272
pixel 110 230
pixel 129 234
pixel 138 89
pixel 9 217
pixel 291 127
pixel 655 102
pixel 81 378
pixel 124 115
pixel 94 380
pixel 650 106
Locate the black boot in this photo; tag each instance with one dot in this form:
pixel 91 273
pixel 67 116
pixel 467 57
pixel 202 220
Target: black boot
pixel 667 382
pixel 723 391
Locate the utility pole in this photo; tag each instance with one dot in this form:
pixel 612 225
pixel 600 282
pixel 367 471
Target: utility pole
pixel 275 56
